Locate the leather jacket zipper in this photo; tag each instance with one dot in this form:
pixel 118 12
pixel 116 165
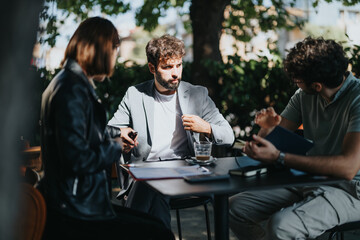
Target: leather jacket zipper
pixel 107 194
pixel 75 186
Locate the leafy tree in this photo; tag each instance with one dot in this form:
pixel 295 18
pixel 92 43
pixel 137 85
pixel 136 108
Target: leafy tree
pixel 354 59
pixel 238 87
pixel 207 22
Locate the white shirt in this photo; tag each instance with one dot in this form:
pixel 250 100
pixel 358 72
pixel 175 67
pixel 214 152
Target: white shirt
pixel 169 138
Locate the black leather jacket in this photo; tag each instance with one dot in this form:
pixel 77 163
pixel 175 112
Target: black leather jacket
pixel 76 148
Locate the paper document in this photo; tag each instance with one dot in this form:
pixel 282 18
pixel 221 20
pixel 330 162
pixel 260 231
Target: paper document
pixel 152 173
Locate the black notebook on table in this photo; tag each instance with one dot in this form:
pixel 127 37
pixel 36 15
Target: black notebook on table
pixel 248 167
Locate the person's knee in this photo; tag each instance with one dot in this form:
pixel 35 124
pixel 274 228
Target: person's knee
pixel 274 226
pixel 240 221
pixel 278 227
pixel 285 225
pixel 238 209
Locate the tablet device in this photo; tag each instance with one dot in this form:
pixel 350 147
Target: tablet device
pixel 206 178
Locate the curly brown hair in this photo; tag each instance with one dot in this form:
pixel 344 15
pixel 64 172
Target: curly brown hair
pixel 163 48
pixel 317 60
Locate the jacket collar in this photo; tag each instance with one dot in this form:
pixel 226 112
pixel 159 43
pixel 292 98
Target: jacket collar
pixel 183 94
pixel 73 66
pixel 148 103
pixel 148 99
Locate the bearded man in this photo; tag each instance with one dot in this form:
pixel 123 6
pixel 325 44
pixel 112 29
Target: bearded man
pixel 169 116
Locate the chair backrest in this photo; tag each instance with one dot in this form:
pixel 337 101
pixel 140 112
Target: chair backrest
pixel 32 214
pixel 31 177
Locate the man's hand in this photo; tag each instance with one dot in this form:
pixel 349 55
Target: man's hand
pixel 125 141
pixel 261 149
pixel 267 118
pixel 196 124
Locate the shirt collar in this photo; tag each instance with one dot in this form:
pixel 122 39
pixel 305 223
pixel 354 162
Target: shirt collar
pixel 347 83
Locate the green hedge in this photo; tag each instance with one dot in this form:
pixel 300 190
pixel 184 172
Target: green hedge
pixel 248 86
pixel 244 86
pixel 112 90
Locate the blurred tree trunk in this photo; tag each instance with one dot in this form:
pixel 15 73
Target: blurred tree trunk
pixel 207 17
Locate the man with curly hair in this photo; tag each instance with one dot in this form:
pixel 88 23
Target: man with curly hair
pixel 327 103
pixel 169 116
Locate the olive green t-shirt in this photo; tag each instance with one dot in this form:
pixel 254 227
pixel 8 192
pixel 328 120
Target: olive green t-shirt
pixel 327 123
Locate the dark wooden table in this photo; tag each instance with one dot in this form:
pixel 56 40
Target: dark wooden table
pixel 223 189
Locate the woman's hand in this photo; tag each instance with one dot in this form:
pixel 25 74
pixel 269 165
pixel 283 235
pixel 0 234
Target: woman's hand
pixel 125 141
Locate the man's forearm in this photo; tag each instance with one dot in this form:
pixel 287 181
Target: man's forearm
pixel 338 166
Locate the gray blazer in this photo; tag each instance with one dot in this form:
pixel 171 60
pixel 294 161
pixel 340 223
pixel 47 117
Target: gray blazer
pixel 136 110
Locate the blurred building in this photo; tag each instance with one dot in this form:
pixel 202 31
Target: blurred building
pixel 329 20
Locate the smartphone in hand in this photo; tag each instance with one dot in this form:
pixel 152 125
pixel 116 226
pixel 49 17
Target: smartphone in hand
pixel 133 134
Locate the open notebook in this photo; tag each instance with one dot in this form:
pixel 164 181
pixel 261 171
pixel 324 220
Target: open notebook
pixel 289 142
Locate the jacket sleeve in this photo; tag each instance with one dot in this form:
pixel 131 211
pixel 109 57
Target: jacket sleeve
pixel 114 132
pixel 122 116
pixel 82 148
pixel 221 129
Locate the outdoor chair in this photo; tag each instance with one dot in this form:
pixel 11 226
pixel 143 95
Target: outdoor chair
pixel 189 202
pixel 338 231
pixel 31 177
pixel 32 214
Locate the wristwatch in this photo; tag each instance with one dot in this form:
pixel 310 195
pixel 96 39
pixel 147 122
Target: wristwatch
pixel 281 158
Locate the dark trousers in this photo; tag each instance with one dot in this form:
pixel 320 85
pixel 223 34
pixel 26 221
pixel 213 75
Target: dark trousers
pixel 129 224
pixel 144 199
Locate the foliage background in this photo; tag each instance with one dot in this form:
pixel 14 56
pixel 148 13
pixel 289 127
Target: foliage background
pixel 245 86
pixel 238 87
